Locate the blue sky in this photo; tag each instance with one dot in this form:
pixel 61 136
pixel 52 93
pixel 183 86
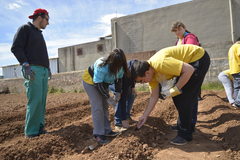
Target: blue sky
pixel 71 21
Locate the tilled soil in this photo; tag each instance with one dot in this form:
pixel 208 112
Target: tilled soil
pixel 69 126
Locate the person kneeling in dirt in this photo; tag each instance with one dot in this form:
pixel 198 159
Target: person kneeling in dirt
pixel 123 108
pixel 227 80
pixel 189 63
pixel 234 60
pixel 96 80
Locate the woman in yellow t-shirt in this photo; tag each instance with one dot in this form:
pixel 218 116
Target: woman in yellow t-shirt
pixel 189 64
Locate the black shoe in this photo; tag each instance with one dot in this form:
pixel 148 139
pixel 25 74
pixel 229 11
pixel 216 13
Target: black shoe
pixel 235 106
pixel 101 139
pixel 200 98
pixel 174 128
pixel 112 134
pixel 31 136
pixel 42 130
pixel 178 141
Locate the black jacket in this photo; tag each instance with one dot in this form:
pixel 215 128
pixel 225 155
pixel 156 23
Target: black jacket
pixel 29 46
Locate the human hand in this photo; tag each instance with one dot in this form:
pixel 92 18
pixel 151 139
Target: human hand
pixel 49 74
pixel 117 96
pixel 111 101
pixel 27 71
pixel 141 121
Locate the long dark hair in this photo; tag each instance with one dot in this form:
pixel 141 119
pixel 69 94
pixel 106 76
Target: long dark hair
pixel 116 60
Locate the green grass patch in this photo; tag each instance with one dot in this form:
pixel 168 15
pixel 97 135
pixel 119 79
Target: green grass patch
pixel 142 88
pixel 212 86
pixel 55 90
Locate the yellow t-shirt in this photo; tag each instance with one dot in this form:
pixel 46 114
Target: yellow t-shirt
pixel 86 77
pixel 227 72
pixel 234 58
pixel 168 62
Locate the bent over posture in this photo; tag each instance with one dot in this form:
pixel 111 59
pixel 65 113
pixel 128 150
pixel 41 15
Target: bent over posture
pixel 189 64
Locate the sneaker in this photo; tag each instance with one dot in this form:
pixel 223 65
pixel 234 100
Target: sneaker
pixel 112 134
pixel 42 131
pixel 178 141
pixel 200 98
pixel 235 106
pixel 120 129
pixel 174 128
pixel 101 139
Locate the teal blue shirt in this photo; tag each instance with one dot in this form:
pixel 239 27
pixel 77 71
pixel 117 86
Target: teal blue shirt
pixel 102 73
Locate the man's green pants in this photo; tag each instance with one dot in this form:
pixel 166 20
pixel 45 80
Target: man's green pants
pixel 36 91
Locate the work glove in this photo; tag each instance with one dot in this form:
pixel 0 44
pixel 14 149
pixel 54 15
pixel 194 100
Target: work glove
pixel 27 71
pixel 111 101
pixel 49 74
pixel 117 96
pixel 172 92
pixel 162 96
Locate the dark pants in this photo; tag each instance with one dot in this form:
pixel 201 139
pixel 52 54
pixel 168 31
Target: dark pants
pixel 187 102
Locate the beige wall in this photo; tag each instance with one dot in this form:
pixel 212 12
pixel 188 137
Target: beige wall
pixel 69 60
pixel 236 18
pixel 208 19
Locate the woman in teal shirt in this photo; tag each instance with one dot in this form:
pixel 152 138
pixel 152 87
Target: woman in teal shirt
pixel 96 80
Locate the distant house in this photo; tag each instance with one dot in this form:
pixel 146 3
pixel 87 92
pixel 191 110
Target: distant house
pixel 14 71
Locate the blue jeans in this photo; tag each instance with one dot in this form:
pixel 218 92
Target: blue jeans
pixel 123 107
pixel 122 113
pixel 236 85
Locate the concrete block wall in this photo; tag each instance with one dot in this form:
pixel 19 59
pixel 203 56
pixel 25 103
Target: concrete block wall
pixel 69 82
pixel 210 20
pixel 70 60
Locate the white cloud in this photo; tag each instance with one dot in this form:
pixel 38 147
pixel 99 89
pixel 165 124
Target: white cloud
pixel 105 23
pixel 21 2
pixel 13 6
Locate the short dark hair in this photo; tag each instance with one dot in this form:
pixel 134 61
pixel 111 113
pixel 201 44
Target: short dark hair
pixel 43 15
pixel 140 67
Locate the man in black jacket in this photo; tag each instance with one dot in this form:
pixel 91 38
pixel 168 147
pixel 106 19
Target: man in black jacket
pixel 30 50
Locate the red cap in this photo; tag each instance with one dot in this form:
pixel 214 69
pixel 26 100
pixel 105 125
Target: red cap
pixel 38 11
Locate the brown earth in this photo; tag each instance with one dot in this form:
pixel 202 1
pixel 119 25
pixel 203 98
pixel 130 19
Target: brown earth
pixel 68 121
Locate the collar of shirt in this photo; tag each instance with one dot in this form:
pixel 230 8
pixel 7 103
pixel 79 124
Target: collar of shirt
pixel 29 23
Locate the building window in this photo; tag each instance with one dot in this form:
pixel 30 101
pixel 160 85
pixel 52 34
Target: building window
pixel 79 52
pixel 100 48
